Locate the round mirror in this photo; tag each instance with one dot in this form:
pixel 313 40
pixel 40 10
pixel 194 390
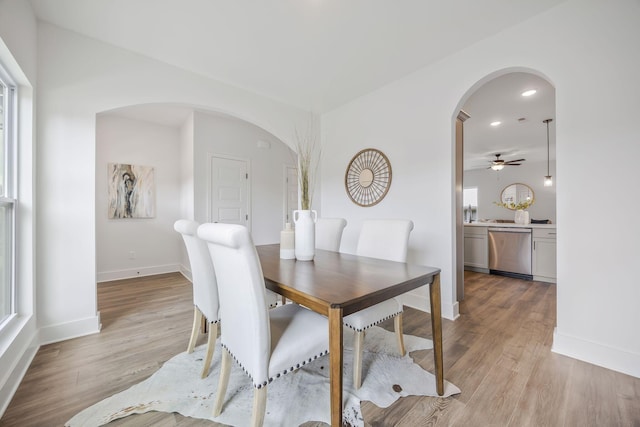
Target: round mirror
pixel 517 196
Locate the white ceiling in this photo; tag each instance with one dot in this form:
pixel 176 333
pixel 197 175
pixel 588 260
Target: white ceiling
pixel 312 54
pixel 320 54
pixel 163 114
pixel 501 100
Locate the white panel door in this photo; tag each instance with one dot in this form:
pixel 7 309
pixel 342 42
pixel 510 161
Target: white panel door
pixel 228 198
pixel 291 193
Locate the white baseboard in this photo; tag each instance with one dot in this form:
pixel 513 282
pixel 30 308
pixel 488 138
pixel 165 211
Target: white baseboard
pixel 16 359
pixel 422 303
pixel 107 276
pixel 186 272
pixel 597 354
pixel 544 279
pixel 453 311
pixel 68 330
pixel 13 382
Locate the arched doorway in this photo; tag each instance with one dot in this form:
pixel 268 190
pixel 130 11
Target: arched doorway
pixel 179 141
pixel 504 120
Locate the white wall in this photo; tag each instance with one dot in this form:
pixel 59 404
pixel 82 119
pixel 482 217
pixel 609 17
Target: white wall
pixel 491 183
pixel 155 244
pixel 237 138
pixel 186 184
pixel 186 168
pixel 586 50
pixel 79 78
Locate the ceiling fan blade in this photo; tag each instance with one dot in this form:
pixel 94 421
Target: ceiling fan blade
pixel 512 164
pixel 514 161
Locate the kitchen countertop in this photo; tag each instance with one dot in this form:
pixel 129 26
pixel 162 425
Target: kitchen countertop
pixel 508 225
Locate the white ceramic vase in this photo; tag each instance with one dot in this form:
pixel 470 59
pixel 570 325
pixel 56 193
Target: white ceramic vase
pixel 522 217
pixel 287 242
pixel 305 234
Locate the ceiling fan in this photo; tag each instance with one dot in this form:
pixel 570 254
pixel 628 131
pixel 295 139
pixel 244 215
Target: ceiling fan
pixel 498 164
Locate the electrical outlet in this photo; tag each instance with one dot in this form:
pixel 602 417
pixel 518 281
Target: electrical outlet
pixel 132 254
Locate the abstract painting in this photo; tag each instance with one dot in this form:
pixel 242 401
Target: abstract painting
pixel 131 191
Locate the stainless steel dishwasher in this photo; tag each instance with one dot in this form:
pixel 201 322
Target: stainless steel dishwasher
pixel 510 252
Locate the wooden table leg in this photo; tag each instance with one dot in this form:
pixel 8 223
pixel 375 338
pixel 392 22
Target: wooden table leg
pixel 436 329
pixel 335 360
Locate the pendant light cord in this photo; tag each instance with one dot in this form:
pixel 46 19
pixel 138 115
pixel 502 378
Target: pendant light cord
pixel 547 147
pixel 547 122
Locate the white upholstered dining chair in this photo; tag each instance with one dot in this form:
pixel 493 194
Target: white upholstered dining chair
pixel 329 233
pixel 265 343
pixel 205 289
pixel 385 239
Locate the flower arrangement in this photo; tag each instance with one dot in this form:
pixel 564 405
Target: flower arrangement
pixel 308 160
pixel 515 206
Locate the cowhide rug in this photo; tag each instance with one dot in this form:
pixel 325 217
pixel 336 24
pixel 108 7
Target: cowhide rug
pixel 291 400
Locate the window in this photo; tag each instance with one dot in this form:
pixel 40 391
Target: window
pixel 7 196
pixel 470 204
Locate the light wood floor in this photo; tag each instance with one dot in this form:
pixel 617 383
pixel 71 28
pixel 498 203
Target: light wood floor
pixel 497 352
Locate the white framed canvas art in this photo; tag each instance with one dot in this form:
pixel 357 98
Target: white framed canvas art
pixel 131 191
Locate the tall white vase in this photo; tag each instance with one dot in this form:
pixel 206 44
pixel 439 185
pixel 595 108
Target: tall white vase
pixel 305 221
pixel 522 217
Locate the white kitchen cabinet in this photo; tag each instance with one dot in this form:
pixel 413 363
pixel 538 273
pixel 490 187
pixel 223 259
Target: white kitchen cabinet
pixel 476 250
pixel 543 256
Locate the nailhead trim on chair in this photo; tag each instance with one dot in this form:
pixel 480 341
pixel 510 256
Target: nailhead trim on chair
pixel 373 324
pixel 208 320
pixel 291 369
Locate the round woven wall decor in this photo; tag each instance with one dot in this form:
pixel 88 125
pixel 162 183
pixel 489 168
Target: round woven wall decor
pixel 368 177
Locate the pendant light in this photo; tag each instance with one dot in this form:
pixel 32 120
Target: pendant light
pixel 548 181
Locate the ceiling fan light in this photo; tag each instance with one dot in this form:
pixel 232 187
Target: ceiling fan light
pixel 497 167
pixel 548 181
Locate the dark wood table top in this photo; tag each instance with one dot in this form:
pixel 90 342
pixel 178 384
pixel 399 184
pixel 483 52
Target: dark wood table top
pixel 338 280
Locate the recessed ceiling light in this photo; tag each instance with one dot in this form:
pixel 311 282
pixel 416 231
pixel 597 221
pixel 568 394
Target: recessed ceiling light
pixel 495 123
pixel 529 92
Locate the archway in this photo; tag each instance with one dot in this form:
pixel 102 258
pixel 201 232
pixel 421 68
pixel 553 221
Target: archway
pixel 498 97
pixel 178 141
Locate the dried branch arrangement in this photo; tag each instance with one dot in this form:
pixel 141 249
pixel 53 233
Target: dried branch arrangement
pixel 308 162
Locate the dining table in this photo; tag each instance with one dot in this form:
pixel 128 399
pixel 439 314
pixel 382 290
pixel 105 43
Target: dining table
pixel 337 284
